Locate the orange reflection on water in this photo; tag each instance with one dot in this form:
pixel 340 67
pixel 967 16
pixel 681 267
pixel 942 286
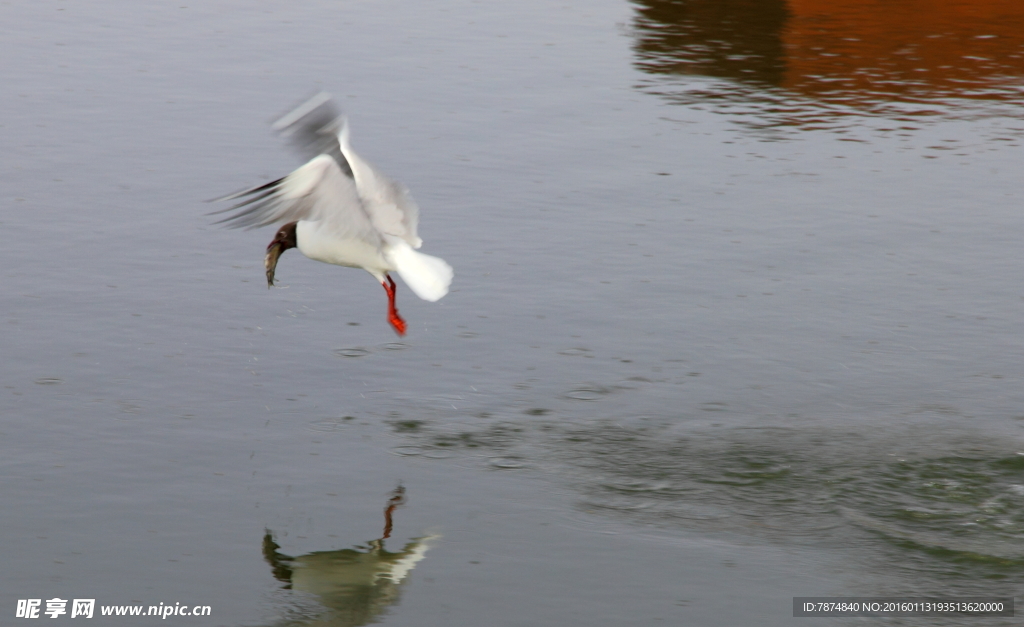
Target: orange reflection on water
pixel 832 64
pixel 906 49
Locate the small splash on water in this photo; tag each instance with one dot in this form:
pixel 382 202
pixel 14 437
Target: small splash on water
pixel 428 452
pixel 588 393
pixel 408 451
pixel 576 352
pixel 506 463
pixel 352 352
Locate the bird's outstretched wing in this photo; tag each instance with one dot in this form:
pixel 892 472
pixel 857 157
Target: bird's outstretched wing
pixel 337 185
pixel 388 203
pixel 317 192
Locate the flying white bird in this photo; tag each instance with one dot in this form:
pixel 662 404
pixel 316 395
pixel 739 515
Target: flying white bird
pixel 340 209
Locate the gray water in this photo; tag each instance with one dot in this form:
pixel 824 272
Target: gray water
pixel 727 327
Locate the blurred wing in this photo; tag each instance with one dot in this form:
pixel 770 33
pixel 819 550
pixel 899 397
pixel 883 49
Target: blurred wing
pixel 312 129
pixel 388 203
pixel 318 191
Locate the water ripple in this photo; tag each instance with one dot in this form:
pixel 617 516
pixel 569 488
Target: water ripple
pixel 357 351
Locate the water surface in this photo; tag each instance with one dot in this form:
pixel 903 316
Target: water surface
pixel 735 316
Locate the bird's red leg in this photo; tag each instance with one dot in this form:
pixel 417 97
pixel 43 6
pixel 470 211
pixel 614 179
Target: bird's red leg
pixel 393 317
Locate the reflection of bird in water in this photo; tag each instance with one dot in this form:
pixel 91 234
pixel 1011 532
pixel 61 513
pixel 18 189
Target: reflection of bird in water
pixel 339 209
pixel 357 585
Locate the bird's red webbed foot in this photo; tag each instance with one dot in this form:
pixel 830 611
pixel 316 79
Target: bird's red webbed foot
pixel 393 317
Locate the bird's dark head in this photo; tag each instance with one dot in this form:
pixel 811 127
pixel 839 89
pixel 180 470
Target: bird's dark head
pixel 283 240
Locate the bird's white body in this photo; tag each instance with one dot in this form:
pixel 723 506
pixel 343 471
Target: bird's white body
pixel 428 277
pixel 317 242
pixel 345 212
pixel 383 245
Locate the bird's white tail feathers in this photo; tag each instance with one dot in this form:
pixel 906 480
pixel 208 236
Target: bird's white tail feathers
pixel 343 134
pixel 428 277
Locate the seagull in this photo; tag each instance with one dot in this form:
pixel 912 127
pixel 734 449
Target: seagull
pixel 339 209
